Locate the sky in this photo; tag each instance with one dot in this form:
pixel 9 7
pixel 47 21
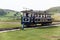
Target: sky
pixel 19 5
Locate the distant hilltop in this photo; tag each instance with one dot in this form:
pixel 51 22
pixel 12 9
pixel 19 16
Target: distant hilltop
pixel 7 11
pixel 54 9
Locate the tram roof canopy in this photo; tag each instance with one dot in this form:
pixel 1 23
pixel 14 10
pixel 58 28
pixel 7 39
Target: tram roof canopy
pixel 35 12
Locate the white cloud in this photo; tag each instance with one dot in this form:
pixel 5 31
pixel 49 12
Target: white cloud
pixel 32 4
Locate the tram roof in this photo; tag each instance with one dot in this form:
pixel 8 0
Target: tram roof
pixel 35 12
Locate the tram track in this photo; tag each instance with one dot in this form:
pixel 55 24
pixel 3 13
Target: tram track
pixel 19 28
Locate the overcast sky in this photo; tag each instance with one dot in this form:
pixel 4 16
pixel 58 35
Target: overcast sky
pixel 31 4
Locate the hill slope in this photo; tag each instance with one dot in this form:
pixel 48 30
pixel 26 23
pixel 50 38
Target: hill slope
pixel 9 15
pixel 7 12
pixel 54 9
pixel 56 13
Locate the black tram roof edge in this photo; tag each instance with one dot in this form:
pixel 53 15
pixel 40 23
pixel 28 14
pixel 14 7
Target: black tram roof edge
pixel 35 12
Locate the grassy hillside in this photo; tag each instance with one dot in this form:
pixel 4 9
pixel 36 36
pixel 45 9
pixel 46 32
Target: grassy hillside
pixel 9 24
pixel 9 15
pixel 55 11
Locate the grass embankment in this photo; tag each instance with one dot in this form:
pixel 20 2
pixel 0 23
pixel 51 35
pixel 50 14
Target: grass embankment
pixel 9 19
pixel 9 24
pixel 32 34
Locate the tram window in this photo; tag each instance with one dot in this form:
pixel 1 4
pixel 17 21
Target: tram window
pixel 24 14
pixel 36 15
pixel 43 15
pixel 32 15
pixel 29 15
pixel 48 16
pixel 39 15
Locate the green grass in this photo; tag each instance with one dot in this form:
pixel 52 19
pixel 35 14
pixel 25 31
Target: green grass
pixel 32 34
pixel 9 24
pixel 8 19
pixel 10 14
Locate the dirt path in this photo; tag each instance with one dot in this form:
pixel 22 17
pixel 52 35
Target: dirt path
pixel 56 23
pixel 9 30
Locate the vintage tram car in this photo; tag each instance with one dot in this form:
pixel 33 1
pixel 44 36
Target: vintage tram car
pixel 33 17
